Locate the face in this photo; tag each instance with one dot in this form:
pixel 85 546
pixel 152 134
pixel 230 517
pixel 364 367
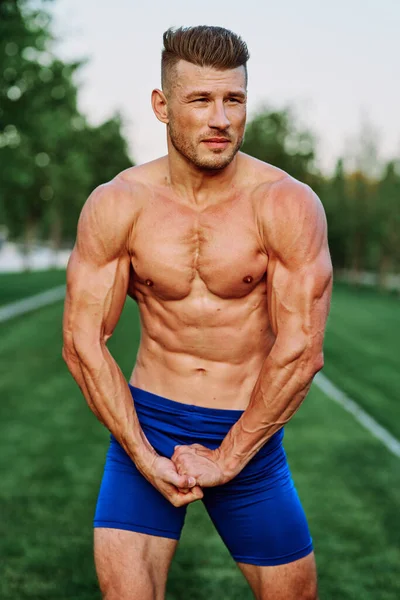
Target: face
pixel 206 111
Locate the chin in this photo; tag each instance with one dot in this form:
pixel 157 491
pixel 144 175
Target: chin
pixel 215 162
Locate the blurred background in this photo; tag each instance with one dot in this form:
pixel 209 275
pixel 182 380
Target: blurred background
pixel 324 98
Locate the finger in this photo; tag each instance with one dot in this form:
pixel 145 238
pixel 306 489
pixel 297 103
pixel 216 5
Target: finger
pixel 194 494
pixel 197 491
pixel 180 480
pixel 176 498
pixel 197 488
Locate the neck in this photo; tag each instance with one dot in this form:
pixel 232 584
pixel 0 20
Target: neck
pixel 196 185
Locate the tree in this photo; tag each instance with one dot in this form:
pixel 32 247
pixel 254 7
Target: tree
pixel 388 221
pixel 274 137
pixel 51 158
pixel 336 201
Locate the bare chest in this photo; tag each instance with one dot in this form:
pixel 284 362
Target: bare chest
pixel 177 250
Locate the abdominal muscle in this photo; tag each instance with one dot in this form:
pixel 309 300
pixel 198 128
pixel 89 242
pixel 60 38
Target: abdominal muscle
pixel 206 352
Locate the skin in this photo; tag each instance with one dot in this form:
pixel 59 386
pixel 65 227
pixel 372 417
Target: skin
pixel 192 237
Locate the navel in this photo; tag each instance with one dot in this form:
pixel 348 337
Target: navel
pixel 149 282
pixel 248 279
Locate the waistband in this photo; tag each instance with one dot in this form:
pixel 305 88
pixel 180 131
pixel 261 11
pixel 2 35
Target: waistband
pixel 159 413
pixel 145 398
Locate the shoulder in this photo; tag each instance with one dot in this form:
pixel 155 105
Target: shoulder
pixel 107 206
pixel 117 203
pixel 291 217
pixel 290 200
pixel 273 188
pixel 107 219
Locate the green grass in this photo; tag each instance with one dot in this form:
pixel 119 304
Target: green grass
pixel 362 351
pixel 52 454
pixel 15 286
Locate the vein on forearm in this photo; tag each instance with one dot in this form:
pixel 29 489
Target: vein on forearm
pixel 108 395
pixel 281 387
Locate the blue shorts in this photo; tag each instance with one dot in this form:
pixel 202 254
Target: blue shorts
pixel 257 514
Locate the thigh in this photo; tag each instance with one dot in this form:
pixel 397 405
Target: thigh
pixel 259 515
pixel 128 501
pixel 132 565
pixel 296 580
pixel 136 532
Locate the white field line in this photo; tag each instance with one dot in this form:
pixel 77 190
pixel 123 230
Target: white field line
pixel 382 434
pixel 32 303
pixel 392 444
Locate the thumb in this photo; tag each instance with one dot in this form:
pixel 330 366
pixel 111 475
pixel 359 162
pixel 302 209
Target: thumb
pixel 182 481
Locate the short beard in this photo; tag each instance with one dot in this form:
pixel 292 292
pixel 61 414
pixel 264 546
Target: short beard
pixel 215 162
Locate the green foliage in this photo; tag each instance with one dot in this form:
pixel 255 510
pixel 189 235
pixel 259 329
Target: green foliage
pixel 51 158
pixel 274 137
pixel 362 207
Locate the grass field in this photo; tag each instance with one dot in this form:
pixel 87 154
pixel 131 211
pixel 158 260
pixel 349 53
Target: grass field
pixel 362 351
pixel 14 286
pixel 53 449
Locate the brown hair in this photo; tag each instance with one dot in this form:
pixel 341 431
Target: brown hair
pixel 203 45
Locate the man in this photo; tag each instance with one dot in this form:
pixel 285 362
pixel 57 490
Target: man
pixel 227 259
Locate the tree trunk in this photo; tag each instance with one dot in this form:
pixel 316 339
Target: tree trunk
pixel 28 242
pixel 55 237
pixel 356 259
pixel 383 269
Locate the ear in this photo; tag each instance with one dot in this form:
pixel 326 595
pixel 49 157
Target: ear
pixel 159 104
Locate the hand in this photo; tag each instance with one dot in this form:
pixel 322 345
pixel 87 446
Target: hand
pixel 199 462
pixel 179 489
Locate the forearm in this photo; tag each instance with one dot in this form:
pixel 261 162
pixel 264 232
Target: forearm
pixel 108 396
pixel 278 393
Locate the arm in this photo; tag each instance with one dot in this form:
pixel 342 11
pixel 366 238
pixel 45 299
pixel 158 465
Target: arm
pixel 299 282
pixel 97 284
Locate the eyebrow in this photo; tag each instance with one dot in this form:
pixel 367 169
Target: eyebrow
pixel 207 94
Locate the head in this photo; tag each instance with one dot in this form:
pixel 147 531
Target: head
pixel 204 92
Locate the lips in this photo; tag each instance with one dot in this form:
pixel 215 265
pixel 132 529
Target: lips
pixel 217 143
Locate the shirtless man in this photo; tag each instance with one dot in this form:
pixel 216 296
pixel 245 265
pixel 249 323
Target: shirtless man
pixel 227 259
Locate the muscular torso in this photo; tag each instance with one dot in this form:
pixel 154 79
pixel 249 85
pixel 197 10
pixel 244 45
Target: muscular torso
pixel 199 278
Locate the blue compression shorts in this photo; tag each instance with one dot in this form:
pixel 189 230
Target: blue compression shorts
pixel 257 514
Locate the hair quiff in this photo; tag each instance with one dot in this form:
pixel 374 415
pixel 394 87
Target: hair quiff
pixel 203 45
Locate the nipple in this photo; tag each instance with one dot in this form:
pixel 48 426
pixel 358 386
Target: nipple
pixel 248 279
pixel 149 282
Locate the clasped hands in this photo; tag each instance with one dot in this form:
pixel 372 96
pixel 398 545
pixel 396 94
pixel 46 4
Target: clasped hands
pixel 181 478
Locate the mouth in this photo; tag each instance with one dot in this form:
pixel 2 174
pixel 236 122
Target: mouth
pixel 216 142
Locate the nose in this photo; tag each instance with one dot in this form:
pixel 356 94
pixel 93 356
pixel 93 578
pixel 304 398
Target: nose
pixel 218 118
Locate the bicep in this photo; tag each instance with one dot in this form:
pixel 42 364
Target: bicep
pixel 97 276
pixel 299 270
pixel 94 300
pixel 299 296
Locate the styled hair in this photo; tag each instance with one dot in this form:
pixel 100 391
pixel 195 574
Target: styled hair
pixel 203 45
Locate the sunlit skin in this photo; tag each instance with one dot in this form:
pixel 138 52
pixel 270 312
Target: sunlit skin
pixel 227 259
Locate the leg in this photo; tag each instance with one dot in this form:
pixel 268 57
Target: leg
pixel 136 532
pixel 131 565
pixel 296 580
pixel 260 518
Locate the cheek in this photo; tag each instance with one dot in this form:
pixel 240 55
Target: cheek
pixel 238 118
pixel 185 124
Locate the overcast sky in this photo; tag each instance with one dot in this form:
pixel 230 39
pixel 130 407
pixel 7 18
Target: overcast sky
pixel 337 62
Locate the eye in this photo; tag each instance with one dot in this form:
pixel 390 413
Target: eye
pixel 200 100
